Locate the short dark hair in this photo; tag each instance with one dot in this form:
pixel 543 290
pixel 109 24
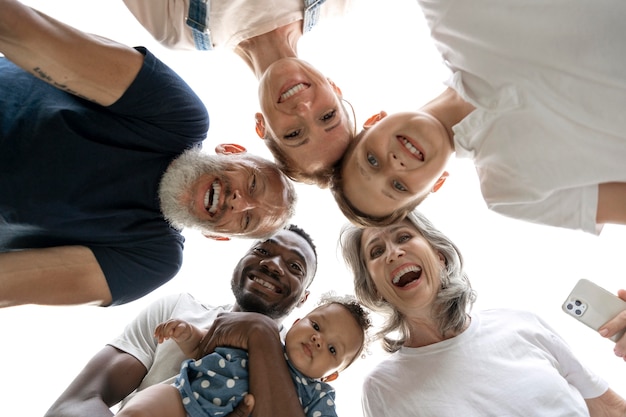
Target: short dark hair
pixel 299 231
pixel 360 314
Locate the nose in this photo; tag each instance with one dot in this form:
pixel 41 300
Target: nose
pixel 395 160
pixel 302 107
pixel 394 253
pixel 316 339
pixel 273 265
pixel 239 204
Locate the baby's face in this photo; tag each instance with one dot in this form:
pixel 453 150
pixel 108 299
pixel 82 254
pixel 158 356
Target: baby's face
pixel 398 159
pixel 324 341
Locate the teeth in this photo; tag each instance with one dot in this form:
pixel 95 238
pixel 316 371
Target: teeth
pixel 407 269
pixel 412 148
pixel 211 206
pixel 265 284
pixel 293 90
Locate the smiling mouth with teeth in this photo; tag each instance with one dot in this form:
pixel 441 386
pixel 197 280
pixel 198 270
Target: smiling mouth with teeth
pixel 212 197
pixel 406 275
pixel 292 91
pixel 412 149
pixel 266 284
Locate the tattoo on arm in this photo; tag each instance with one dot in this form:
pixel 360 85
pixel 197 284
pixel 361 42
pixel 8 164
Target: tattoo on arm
pixel 47 78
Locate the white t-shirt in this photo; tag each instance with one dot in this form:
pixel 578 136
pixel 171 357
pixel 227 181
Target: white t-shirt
pixel 507 363
pixel 549 85
pixel 163 360
pixel 230 21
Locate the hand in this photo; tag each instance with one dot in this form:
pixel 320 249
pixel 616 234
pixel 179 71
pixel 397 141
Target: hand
pixel 236 330
pixel 244 408
pixel 179 330
pixel 615 325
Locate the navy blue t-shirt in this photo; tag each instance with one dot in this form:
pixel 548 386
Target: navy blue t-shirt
pixel 76 173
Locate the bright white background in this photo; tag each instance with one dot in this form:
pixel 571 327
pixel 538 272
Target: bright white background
pixel 382 59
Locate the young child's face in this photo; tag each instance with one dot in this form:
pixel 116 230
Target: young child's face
pixel 324 341
pixel 398 159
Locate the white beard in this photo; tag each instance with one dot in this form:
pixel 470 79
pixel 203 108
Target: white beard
pixel 176 183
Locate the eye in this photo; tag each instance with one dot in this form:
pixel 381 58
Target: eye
pixel 332 349
pixel 371 159
pixel 398 186
pixel 315 326
pixel 328 116
pixel 296 266
pixel 261 251
pixel 293 134
pixel 253 184
pixel 376 251
pixel 404 238
pixel 246 221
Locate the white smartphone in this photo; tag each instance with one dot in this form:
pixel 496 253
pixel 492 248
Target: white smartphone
pixel 593 305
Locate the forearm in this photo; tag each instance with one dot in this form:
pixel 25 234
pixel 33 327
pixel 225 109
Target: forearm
pixel 608 404
pixel 88 66
pixel 52 276
pixel 611 203
pixel 191 345
pixel 92 407
pixel 108 378
pixel 267 363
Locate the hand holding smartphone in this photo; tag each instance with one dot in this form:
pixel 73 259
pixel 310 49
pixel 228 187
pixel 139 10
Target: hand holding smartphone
pixel 593 305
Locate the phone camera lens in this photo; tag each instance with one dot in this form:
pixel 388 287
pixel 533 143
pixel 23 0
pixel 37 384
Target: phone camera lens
pixel 578 303
pixel 569 306
pixel 578 312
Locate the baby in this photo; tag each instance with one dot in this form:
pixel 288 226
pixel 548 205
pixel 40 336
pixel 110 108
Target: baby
pixel 317 347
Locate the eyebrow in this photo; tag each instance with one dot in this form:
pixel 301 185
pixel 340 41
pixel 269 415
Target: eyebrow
pixel 307 139
pixel 261 185
pixel 393 229
pixel 296 252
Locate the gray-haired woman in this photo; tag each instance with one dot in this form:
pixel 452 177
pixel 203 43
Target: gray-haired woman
pixel 446 362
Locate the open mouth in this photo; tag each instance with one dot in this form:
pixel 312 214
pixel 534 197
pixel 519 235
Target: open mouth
pixel 265 284
pixel 212 197
pixel 292 91
pixel 406 275
pixel 412 149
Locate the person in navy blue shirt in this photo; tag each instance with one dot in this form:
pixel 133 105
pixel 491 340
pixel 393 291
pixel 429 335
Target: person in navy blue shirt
pixel 101 168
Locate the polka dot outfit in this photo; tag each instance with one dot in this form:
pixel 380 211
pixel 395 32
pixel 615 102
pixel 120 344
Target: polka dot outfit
pixel 214 385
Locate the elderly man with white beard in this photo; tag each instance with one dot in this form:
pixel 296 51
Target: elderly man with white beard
pixel 100 169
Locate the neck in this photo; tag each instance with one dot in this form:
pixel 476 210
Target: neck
pixel 449 108
pixel 261 51
pixel 236 308
pixel 426 332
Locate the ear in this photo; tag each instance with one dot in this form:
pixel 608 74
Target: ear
pixel 336 89
pixel 374 119
pixel 229 148
pixel 305 297
pixel 215 237
pixel 330 377
pixel 440 181
pixel 259 125
pixel 442 259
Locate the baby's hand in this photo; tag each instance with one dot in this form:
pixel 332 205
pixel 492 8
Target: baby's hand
pixel 179 330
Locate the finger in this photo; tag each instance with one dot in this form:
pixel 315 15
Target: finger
pixel 615 325
pixel 244 408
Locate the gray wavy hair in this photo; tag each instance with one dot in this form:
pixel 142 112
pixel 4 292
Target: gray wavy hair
pixel 453 302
